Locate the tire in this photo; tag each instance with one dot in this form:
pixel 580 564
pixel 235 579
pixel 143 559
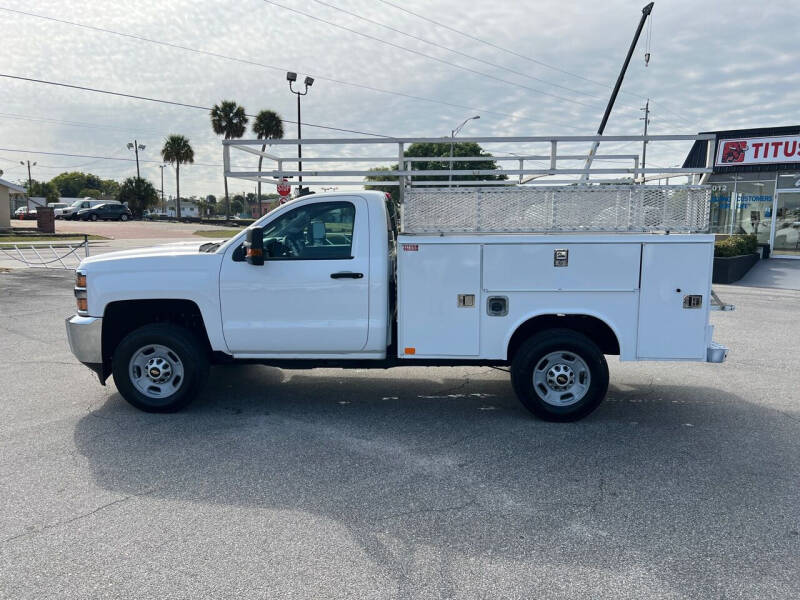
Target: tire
pixel 559 375
pixel 123 218
pixel 145 347
pixel 93 217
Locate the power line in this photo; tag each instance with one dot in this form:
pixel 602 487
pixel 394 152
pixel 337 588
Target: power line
pixel 172 102
pixel 493 45
pixel 453 50
pixel 278 68
pixel 518 55
pixel 22 151
pixel 37 119
pixel 428 56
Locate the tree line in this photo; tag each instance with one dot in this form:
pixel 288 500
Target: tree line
pixel 228 119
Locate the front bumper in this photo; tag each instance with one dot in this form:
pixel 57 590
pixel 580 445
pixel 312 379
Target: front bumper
pixel 85 336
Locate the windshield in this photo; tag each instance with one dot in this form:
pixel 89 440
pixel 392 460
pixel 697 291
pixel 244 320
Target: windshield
pixel 77 203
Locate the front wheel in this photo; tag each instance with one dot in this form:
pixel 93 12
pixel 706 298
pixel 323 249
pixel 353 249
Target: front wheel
pixel 93 217
pixel 559 375
pixel 123 218
pixel 160 368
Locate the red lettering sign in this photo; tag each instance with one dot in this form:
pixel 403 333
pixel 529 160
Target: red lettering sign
pixel 758 150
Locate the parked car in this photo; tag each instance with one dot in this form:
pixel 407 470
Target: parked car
pixel 23 212
pixel 106 212
pixel 58 209
pixel 71 212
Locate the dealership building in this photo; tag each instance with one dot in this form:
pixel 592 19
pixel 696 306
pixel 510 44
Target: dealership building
pixel 755 186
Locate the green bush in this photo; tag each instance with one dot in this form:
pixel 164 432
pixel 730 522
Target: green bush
pixel 736 245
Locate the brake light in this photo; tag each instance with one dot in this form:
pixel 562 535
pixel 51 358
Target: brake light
pixel 83 304
pixel 80 280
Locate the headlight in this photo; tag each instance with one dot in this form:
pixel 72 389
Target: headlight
pixel 81 298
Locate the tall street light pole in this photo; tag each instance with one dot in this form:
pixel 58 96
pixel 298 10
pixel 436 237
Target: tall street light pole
pixel 30 180
pixel 136 146
pixel 453 134
pixel 308 82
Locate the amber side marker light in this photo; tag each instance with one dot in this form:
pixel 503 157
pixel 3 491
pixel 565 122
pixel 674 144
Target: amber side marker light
pixel 409 350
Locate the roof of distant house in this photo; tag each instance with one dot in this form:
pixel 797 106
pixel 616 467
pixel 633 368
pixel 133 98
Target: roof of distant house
pixel 12 186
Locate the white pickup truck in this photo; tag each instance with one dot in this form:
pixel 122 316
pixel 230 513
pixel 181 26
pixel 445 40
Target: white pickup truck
pixel 327 280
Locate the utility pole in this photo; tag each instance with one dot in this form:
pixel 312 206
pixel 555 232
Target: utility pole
pixel 30 180
pixel 645 13
pixel 163 204
pixel 136 146
pixel 646 119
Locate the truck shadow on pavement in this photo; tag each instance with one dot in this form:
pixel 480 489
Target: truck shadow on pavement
pixel 659 479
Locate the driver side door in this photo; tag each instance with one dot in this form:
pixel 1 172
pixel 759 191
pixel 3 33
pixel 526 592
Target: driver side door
pixel 311 295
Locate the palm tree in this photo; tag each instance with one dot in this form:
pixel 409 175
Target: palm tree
pixel 178 151
pixel 267 126
pixel 228 119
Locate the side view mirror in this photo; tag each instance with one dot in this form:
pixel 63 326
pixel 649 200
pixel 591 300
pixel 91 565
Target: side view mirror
pixel 254 246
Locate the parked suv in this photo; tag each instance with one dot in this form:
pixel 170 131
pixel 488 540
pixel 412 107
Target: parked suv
pixel 105 212
pixel 71 212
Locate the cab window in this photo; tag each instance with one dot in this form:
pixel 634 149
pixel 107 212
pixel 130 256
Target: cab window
pixel 312 232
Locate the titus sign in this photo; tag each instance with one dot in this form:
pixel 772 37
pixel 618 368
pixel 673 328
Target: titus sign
pixel 758 151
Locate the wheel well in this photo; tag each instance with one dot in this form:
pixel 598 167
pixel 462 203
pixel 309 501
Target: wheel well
pixel 592 327
pixel 122 317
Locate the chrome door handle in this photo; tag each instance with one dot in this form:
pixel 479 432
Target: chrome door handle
pixel 346 275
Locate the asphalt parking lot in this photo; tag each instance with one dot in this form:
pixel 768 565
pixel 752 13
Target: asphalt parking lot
pixel 410 483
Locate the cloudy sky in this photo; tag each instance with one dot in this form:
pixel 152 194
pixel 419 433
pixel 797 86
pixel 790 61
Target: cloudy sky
pixel 714 65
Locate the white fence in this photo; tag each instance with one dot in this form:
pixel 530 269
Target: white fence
pixel 47 255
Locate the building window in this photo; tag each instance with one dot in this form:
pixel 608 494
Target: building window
pixel 752 208
pixel 720 217
pixel 740 207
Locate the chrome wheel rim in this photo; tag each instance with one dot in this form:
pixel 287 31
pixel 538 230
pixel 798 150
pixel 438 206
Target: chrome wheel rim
pixel 561 378
pixel 156 371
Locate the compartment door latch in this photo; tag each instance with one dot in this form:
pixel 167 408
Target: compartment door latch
pixel 693 301
pixel 466 300
pixel 560 257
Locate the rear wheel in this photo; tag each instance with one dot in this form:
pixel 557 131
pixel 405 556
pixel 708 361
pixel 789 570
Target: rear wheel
pixel 93 217
pixel 160 368
pixel 559 375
